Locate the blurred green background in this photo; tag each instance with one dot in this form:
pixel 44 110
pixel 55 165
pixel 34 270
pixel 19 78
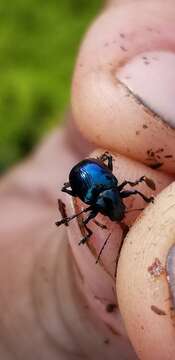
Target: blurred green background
pixel 39 40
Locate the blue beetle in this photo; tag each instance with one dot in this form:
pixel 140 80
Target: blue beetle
pixel 93 181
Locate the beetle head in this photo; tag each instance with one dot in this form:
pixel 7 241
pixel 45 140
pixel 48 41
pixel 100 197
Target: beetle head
pixel 110 204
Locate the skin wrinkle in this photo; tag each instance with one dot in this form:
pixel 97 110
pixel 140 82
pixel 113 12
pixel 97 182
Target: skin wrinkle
pixel 53 339
pixel 53 343
pixel 76 266
pixel 37 294
pixel 78 301
pixel 5 344
pixel 72 288
pixel 17 318
pixel 114 331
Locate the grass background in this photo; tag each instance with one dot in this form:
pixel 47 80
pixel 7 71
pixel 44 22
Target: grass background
pixel 39 40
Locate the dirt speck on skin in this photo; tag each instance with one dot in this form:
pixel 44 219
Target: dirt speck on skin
pixel 123 48
pixel 145 126
pixel 86 307
pixel 168 156
pixel 156 165
pixel 154 158
pixel 156 155
pixel 156 268
pixel 114 331
pixel 157 311
pixel 106 341
pixel 111 307
pixel 137 132
pixel 146 62
pixel 128 77
pixel 149 29
pixel 150 183
pixel 122 35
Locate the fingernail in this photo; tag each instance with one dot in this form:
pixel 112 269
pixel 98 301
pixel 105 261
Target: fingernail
pixel 151 76
pixel 170 268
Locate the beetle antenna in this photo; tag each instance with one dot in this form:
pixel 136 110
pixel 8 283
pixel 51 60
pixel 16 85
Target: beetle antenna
pixel 67 219
pixel 105 242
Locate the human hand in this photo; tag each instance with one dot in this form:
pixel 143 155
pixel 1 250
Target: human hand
pixel 54 298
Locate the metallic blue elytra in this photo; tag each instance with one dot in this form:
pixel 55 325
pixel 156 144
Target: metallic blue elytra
pixel 93 182
pixel 88 179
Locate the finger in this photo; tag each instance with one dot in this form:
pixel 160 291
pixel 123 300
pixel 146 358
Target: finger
pixel 99 278
pixel 43 294
pixel 123 88
pixel 37 301
pixel 142 285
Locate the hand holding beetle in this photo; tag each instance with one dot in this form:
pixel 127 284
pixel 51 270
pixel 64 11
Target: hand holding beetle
pixel 55 301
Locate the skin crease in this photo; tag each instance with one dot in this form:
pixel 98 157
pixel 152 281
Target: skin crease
pixel 53 297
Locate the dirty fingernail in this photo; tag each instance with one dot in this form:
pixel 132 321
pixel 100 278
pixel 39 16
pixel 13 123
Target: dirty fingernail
pixel 151 77
pixel 170 269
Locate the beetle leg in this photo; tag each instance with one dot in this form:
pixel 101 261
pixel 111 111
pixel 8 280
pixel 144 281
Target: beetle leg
pixel 108 157
pixel 65 189
pixel 128 193
pixel 92 214
pixel 149 182
pixel 67 219
pixel 62 209
pixel 87 236
pixel 131 183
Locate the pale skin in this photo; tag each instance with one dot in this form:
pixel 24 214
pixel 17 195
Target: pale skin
pixel 54 298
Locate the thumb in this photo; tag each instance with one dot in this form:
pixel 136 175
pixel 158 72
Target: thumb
pixel 123 87
pixel 143 294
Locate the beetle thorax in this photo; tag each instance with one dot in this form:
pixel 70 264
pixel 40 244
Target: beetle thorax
pixel 111 205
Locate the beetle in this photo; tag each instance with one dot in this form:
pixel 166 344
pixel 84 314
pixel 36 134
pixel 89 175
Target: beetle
pixel 93 182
